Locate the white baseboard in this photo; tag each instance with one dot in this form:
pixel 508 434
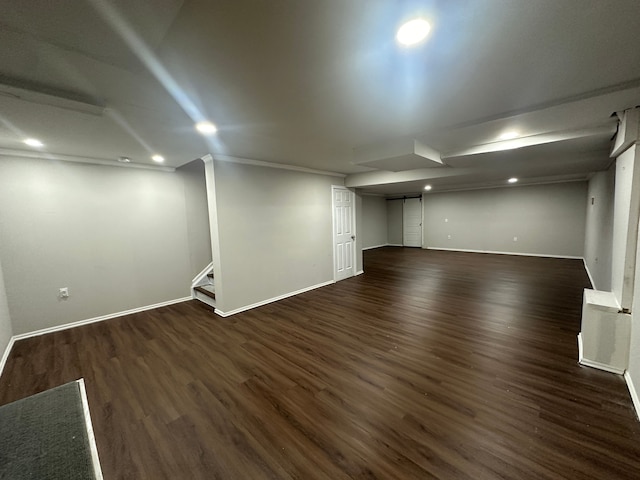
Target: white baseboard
pixel 394 245
pixel 601 366
pixel 375 246
pixel 586 267
pixel 271 300
pixel 79 323
pixel 359 272
pixel 590 363
pixel 5 355
pixel 634 393
pixel 521 254
pixel 580 347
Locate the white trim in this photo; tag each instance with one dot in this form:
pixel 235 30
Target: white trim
pixel 92 438
pixel 396 245
pixel 7 352
pixel 79 323
pixel 521 254
pixel 6 152
pixel 204 298
pixel 274 299
pixel 201 276
pixel 586 267
pixel 600 366
pixel 359 272
pixel 375 246
pixel 580 348
pixel 634 393
pixel 282 166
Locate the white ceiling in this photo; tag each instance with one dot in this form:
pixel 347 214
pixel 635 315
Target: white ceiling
pixel 307 83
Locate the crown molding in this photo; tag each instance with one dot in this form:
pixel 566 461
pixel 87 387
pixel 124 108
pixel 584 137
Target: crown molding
pixel 5 152
pixel 260 163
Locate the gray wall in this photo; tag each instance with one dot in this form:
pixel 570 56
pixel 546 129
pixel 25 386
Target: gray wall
pixel 547 219
pixel 116 237
pixel 275 232
pixel 599 228
pixel 195 194
pixel 374 221
pixel 394 222
pixel 6 331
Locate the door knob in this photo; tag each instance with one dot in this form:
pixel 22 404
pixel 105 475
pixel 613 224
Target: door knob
pixel 353 237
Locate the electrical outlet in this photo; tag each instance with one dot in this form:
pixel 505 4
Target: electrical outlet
pixel 515 239
pixel 448 237
pixel 64 292
pixel 446 220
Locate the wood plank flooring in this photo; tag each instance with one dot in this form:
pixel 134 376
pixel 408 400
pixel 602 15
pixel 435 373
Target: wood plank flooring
pixel 431 365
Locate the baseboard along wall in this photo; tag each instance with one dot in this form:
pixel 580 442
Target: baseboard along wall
pixel 6 353
pixel 79 323
pixel 634 393
pixel 521 254
pixel 271 300
pixel 374 246
pixel 586 267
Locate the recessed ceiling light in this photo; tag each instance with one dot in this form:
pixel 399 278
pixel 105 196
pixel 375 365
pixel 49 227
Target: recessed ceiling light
pixel 124 159
pixel 509 135
pixel 512 180
pixel 427 187
pixel 206 128
pixel 157 158
pixel 413 32
pixel 33 142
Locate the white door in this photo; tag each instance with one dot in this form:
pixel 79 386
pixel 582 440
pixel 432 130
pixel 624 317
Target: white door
pixel 412 222
pixel 343 233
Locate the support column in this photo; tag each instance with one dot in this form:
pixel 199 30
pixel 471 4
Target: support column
pixel 626 209
pixel 604 340
pixel 213 226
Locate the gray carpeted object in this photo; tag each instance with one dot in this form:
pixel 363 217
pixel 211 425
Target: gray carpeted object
pixel 45 436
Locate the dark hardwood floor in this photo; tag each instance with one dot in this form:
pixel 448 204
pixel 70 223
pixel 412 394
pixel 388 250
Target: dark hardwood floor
pixel 431 365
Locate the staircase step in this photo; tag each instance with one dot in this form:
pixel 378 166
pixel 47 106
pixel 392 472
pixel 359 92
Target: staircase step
pixel 205 291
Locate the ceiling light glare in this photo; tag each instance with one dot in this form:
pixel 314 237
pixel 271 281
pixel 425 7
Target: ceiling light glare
pixel 512 180
pixel 427 187
pixel 157 158
pixel 206 128
pixel 510 135
pixel 33 142
pixel 413 32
